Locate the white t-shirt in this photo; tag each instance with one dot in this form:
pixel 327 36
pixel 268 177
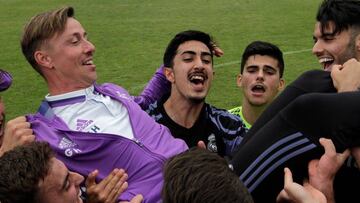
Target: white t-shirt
pixel 89 111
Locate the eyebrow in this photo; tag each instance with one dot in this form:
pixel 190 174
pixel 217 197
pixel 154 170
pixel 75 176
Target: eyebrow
pixel 257 66
pixel 65 181
pixel 270 67
pixel 327 34
pixel 204 53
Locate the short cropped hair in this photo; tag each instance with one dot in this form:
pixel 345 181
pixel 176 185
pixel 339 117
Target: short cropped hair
pixel 264 49
pixel 182 37
pixel 40 28
pixel 343 13
pixel 197 176
pixel 21 170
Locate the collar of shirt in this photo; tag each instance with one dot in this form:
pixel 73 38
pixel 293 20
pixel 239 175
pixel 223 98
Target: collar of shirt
pixel 71 97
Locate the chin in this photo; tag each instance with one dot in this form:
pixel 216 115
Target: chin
pixel 258 103
pixel 197 100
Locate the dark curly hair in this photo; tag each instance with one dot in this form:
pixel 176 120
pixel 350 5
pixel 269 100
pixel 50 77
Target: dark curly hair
pixel 21 169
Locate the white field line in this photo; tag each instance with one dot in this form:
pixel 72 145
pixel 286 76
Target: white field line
pixel 141 86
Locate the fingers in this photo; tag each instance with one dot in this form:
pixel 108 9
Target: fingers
pixel 201 144
pixel 283 196
pixel 137 199
pixel 343 156
pixel 17 132
pixel 18 127
pixel 117 185
pixel 117 176
pixel 109 189
pixel 288 179
pixel 346 77
pixel 328 146
pixel 330 150
pixel 355 152
pixel 90 180
pixel 218 52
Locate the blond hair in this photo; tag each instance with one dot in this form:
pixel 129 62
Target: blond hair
pixel 40 28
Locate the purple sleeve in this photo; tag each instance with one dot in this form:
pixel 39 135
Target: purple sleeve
pixel 5 80
pixel 154 90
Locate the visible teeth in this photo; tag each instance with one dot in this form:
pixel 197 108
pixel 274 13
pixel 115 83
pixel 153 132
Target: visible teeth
pixel 197 77
pixel 90 62
pixel 258 88
pixel 325 60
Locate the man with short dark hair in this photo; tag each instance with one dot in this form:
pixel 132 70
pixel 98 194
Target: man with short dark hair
pixel 188 66
pixel 199 176
pixel 31 173
pixel 260 79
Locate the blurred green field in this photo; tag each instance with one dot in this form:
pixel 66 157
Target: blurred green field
pixel 131 35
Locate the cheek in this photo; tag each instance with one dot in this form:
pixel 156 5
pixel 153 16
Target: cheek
pixel 71 195
pixel 246 81
pixel 338 48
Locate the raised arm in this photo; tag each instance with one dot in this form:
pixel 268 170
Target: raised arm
pixel 154 90
pixel 17 132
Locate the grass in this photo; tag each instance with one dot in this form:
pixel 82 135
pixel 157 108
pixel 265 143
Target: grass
pixel 131 35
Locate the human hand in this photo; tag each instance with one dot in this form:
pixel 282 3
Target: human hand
pixel 296 193
pixel 346 77
pixel 355 152
pixel 109 189
pixel 137 199
pixel 17 132
pixel 201 144
pixel 216 50
pixel 322 172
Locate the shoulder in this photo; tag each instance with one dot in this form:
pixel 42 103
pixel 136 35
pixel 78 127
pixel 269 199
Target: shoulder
pixel 217 112
pixel 224 121
pixel 112 87
pixel 236 111
pixel 154 110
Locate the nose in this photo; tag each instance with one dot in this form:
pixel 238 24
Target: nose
pixel 317 48
pixel 199 64
pixel 77 178
pixel 260 75
pixel 89 47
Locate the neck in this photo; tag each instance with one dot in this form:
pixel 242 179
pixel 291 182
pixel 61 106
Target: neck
pixel 251 112
pixel 58 85
pixel 55 89
pixel 182 111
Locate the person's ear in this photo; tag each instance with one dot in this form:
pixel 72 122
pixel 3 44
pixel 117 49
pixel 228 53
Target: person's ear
pixel 239 80
pixel 281 84
pixel 169 74
pixel 43 59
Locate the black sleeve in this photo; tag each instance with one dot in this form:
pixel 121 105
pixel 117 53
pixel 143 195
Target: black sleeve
pixel 287 134
pixel 308 82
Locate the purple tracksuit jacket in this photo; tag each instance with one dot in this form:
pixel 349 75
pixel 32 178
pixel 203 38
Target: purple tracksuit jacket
pixel 142 158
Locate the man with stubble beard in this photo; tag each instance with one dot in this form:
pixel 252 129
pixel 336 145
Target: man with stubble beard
pixel 317 104
pixel 188 66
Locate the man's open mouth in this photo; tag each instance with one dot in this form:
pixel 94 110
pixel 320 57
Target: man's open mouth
pixel 197 77
pixel 259 88
pixel 326 63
